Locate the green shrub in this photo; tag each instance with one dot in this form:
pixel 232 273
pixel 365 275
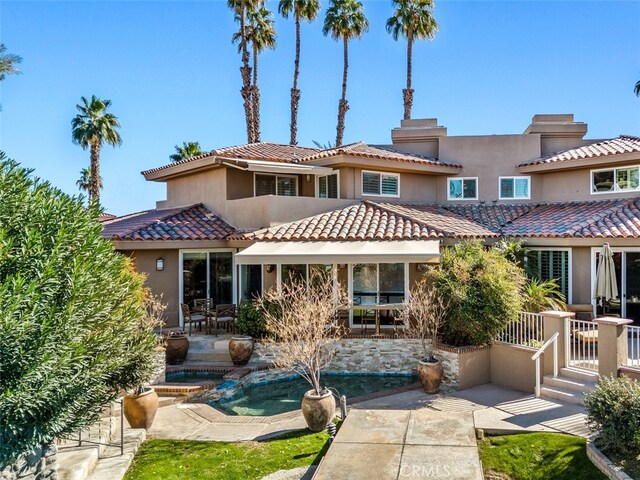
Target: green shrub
pixel 614 412
pixel 484 291
pixel 251 320
pixel 72 329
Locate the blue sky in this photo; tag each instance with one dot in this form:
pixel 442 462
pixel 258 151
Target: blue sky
pixel 172 74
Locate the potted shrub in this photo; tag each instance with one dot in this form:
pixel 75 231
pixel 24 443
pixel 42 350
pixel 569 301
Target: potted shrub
pixel 141 406
pixel 423 314
pixel 300 322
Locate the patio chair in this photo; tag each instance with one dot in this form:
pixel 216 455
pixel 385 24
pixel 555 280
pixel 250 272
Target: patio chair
pixel 226 315
pixel 192 318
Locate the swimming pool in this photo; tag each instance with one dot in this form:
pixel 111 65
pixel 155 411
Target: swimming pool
pixel 285 395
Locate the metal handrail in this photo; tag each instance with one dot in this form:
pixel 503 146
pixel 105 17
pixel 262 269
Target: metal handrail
pixel 536 356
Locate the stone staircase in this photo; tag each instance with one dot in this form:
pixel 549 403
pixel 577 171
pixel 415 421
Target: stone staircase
pixel 570 386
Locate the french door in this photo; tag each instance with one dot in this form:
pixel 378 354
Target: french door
pixel 207 275
pixel 627 268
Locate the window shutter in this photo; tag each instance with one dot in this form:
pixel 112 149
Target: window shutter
pixel 371 183
pixel 265 185
pixel 389 185
pixel 332 186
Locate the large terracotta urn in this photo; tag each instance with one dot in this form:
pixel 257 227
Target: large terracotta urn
pixel 240 349
pixel 140 410
pixel 430 372
pixel 177 346
pixel 318 410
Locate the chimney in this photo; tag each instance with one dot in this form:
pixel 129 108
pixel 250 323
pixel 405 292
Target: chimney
pixel 557 132
pixel 419 135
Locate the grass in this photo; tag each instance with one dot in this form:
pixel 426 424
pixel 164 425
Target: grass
pixel 177 459
pixel 537 456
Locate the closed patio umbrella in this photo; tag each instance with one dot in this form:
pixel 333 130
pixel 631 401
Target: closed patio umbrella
pixel 606 286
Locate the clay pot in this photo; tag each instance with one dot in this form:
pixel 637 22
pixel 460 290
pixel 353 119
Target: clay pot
pixel 430 372
pixel 318 410
pixel 140 410
pixel 240 349
pixel 176 350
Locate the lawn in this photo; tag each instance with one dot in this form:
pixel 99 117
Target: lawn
pixel 538 456
pixel 176 459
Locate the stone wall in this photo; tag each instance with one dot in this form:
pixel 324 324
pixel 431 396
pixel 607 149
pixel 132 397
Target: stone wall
pixel 40 465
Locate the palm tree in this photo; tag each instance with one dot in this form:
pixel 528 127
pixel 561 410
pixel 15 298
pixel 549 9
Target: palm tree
pixel 413 20
pixel 302 10
pixel 345 20
pixel 239 7
pixel 261 33
pixel 8 62
pixel 637 88
pixel 84 181
pixel 91 128
pixel 187 150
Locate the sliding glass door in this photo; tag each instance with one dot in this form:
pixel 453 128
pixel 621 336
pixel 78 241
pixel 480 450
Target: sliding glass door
pixel 627 269
pixel 207 274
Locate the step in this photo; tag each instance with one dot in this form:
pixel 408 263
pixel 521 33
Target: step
pixel 218 356
pixel 112 465
pixel 567 383
pixel 76 463
pixel 566 396
pixel 579 374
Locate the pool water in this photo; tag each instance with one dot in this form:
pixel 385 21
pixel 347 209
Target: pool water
pixel 285 396
pixel 192 377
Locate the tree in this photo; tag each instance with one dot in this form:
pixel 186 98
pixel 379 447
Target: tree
pixel 72 330
pixel 84 182
pixel 413 20
pixel 344 20
pixel 637 88
pixel 187 150
pixel 239 8
pixel 302 10
pixel 261 33
pixel 91 128
pixel 8 62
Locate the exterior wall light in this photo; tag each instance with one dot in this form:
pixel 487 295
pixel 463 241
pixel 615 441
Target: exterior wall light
pixel 270 268
pixel 160 264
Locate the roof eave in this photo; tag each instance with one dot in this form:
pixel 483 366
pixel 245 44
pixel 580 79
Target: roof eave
pixel 180 169
pixel 601 161
pixel 386 165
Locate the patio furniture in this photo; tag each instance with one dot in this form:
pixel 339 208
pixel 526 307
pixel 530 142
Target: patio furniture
pixel 192 317
pixel 225 315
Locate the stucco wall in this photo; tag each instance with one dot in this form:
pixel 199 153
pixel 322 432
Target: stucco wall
pixel 414 187
pixel 164 282
pixel 574 185
pixel 512 367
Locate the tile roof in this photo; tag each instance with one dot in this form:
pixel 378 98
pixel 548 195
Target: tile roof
pixel 266 151
pixel 493 217
pixel 592 219
pixel 362 150
pixel 614 146
pixel 104 216
pixel 194 222
pixel 375 221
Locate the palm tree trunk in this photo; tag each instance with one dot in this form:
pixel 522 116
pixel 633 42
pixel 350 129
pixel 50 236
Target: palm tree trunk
pixel 407 93
pixel 295 93
pixel 255 94
pixel 343 106
pixel 94 181
pixel 245 72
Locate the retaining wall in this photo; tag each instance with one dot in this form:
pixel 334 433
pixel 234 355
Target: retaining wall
pixel 40 465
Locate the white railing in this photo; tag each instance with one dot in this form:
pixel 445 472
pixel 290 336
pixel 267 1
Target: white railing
pixel 581 349
pixel 526 331
pixel 633 346
pixel 536 357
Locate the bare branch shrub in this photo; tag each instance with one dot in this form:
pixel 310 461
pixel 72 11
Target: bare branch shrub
pixel 301 320
pixel 424 312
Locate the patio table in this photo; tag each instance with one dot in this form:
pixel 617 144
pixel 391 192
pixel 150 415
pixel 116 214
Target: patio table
pixel 377 308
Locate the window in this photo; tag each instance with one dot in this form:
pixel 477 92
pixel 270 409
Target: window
pixel 282 185
pixel 328 186
pixel 514 188
pixel 615 180
pixel 304 272
pixel 207 275
pixel 549 265
pixel 381 184
pixel 250 281
pixel 376 284
pixel 463 189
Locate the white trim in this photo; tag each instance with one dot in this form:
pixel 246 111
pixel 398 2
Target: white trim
pixel 514 178
pixel 317 182
pixel 276 175
pixel 234 276
pixel 615 180
pixel 449 198
pixel 569 267
pixel 388 174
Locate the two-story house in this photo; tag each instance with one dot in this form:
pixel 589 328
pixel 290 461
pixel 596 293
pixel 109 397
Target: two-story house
pixel 238 220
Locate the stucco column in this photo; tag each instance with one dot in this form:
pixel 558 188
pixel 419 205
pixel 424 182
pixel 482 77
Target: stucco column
pixel 612 344
pixel 554 321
